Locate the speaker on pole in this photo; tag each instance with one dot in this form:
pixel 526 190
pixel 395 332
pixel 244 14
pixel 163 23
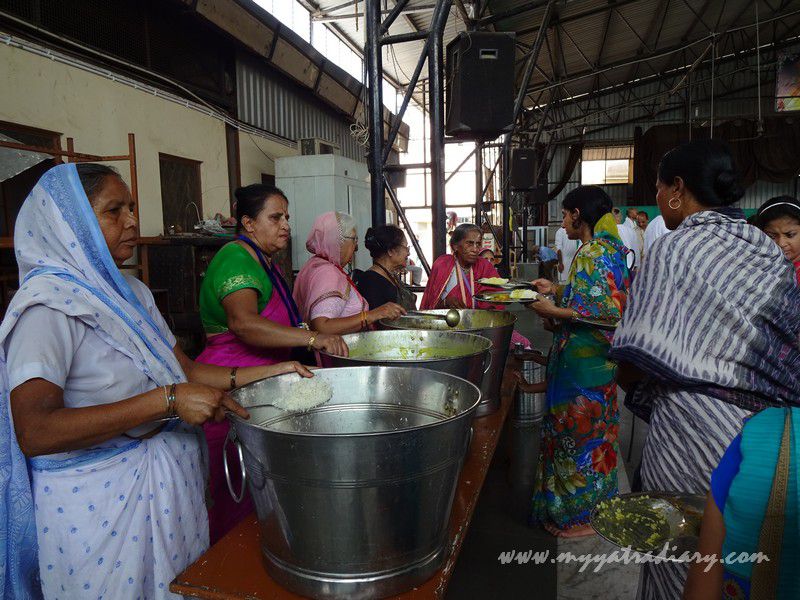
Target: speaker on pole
pixel 480 85
pixel 523 169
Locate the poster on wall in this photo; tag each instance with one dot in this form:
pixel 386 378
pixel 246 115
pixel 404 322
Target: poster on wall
pixel 787 83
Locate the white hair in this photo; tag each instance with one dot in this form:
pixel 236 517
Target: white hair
pixel 346 224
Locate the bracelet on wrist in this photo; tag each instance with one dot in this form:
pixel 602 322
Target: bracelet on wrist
pixel 311 341
pixel 171 400
pixel 233 377
pixel 166 400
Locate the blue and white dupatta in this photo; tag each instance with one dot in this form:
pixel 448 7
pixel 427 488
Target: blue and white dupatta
pixel 64 264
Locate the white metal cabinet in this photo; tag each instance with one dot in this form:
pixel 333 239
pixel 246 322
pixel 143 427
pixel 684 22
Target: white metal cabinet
pixel 321 183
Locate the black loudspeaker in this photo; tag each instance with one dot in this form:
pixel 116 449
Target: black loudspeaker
pixel 397 179
pixel 480 85
pixel 523 169
pixel 536 196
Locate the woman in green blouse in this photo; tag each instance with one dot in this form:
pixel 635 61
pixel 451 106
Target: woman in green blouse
pixel 250 319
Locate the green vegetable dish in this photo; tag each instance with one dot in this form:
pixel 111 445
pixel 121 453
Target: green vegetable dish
pixel 638 522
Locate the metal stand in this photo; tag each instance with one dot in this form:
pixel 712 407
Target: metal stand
pixel 379 146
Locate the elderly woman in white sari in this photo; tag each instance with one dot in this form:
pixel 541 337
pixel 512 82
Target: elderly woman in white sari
pixel 110 502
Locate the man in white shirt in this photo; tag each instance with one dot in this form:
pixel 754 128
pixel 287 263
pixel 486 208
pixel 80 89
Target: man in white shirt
pixel 565 250
pixel 655 229
pixel 642 219
pixel 632 223
pixel 630 219
pixel 629 238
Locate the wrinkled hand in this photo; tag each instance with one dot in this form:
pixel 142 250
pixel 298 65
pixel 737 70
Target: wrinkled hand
pixel 291 366
pixel 544 308
pixel 332 344
pixel 390 310
pixel 543 286
pixel 454 303
pixel 196 403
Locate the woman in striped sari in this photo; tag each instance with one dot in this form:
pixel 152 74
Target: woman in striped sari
pixel 710 334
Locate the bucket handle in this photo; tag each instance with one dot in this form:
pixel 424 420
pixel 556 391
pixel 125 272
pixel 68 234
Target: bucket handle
pixel 488 361
pixel 240 496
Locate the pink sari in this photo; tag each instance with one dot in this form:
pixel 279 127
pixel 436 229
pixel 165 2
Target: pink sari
pixel 467 282
pixel 226 350
pixel 322 276
pixel 466 286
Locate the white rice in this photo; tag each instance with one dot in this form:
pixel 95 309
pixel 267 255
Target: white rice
pixel 523 294
pixel 305 394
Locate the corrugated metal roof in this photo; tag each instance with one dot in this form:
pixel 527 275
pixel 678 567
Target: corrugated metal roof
pixel 587 35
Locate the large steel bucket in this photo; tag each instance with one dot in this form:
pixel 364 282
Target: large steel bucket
pixel 497 326
pixel 461 354
pixel 353 497
pixel 530 407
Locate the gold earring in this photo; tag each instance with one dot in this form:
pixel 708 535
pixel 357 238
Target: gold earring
pixel 671 200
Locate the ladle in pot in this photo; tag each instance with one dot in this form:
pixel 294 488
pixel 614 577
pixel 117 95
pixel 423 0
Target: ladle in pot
pixel 452 317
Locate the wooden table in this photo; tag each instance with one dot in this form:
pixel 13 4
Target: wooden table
pixel 233 568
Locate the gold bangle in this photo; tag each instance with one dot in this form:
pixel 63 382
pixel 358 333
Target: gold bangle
pixel 575 315
pixel 364 323
pixel 166 400
pixel 233 377
pixel 311 341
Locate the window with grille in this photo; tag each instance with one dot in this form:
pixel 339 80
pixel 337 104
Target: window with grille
pixel 607 165
pixel 180 193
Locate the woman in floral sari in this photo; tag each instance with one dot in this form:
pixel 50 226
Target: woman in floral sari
pixel 578 456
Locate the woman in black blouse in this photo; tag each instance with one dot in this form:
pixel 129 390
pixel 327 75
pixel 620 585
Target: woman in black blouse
pixel 380 284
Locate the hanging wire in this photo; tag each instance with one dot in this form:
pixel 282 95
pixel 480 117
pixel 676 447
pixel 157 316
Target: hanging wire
pixel 760 124
pixel 713 77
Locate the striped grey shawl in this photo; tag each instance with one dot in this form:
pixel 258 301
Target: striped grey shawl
pixel 716 308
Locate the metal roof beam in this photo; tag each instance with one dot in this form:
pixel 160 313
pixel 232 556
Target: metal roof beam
pixel 719 16
pixel 653 33
pixel 659 112
pixel 670 80
pixel 603 40
pixel 326 18
pixel 462 11
pixel 345 39
pixel 658 54
pixel 659 94
pixel 393 14
pixel 697 15
pixel 532 58
pixel 578 16
pixel 512 12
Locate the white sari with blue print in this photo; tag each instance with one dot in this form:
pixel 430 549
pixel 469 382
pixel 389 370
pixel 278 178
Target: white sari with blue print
pixel 120 519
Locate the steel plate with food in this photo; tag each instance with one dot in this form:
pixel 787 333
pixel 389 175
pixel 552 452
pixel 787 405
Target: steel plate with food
pixel 647 522
pixel 521 296
pixel 503 283
pixel 599 323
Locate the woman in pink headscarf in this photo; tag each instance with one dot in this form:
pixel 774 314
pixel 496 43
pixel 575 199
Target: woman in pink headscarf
pixel 326 296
